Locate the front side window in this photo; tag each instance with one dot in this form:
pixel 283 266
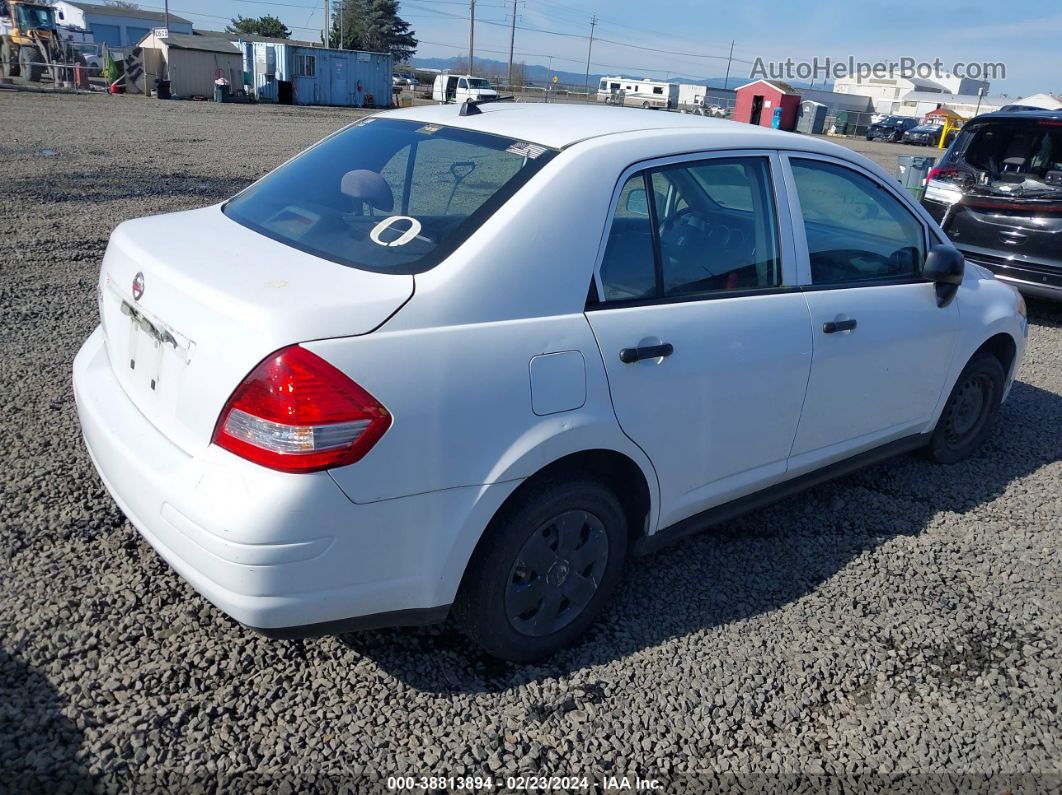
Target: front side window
pixel 388 195
pixel 856 230
pixel 693 229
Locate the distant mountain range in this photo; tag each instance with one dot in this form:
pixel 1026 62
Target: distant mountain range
pixel 540 74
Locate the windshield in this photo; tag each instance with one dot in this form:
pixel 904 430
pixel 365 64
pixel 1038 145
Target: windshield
pixel 478 82
pixel 387 195
pixel 34 17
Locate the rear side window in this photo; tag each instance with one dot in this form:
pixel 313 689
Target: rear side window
pixel 388 195
pixel 691 230
pixel 856 230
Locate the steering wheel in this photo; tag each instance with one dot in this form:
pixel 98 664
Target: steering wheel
pixel 684 235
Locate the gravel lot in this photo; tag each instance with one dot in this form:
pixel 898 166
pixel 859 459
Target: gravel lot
pixel 899 628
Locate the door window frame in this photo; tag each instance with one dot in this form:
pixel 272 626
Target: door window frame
pixel 803 254
pixel 784 228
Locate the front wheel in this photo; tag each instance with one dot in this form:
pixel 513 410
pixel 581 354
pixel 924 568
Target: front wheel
pixel 28 59
pixel 547 566
pixel 971 408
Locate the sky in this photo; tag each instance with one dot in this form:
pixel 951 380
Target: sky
pixel 690 38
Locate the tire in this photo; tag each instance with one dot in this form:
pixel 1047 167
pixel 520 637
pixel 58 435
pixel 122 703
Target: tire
pixel 970 411
pixel 645 106
pixel 8 59
pixel 27 57
pixel 562 542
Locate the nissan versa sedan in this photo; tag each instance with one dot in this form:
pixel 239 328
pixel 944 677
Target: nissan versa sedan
pixel 469 359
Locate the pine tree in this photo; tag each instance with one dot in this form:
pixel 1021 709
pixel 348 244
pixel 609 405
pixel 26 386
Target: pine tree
pixel 374 25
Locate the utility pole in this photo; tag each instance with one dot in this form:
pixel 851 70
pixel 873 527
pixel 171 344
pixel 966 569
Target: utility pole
pixel 341 4
pixel 327 25
pixel 471 31
pixel 166 12
pixel 512 42
pixel 589 47
pixel 728 60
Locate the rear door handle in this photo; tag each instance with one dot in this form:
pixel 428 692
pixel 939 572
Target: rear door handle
pixel 632 355
pixel 838 325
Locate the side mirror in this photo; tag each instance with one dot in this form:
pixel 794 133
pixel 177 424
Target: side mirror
pixel 944 267
pixel 637 203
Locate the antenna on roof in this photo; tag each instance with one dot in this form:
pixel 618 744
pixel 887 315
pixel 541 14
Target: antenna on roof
pixel 470 107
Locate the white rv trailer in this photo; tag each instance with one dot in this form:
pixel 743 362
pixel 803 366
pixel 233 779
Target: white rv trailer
pixel 636 93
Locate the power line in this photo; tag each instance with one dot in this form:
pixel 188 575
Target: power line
pixel 599 38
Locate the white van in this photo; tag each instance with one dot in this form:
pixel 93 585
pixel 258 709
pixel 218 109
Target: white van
pixel 458 88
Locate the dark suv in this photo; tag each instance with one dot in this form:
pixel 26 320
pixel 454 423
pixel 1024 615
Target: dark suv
pixel 997 193
pixel 891 128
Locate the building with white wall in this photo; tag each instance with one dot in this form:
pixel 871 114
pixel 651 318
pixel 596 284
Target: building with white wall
pixel 888 93
pixel 118 28
pixel 919 103
pixel 1045 101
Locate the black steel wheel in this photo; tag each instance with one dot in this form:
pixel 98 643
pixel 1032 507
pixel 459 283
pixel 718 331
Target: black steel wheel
pixel 556 573
pixel 544 569
pixel 967 416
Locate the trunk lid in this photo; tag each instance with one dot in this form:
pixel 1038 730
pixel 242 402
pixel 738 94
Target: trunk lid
pixel 1024 229
pixel 211 300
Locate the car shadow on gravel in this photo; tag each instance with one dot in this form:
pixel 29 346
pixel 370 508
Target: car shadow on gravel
pixel 750 566
pixel 1044 313
pixel 38 744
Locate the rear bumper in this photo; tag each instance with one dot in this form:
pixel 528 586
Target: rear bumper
pixel 1042 281
pixel 287 554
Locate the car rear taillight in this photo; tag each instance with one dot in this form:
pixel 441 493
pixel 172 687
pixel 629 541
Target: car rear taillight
pixel 297 413
pixel 943 172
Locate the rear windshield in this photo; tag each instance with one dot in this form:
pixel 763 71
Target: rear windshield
pixel 388 195
pixel 1031 148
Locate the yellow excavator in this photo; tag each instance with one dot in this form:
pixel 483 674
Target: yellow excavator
pixel 30 41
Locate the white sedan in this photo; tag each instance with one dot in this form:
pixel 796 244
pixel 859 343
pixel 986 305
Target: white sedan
pixel 468 359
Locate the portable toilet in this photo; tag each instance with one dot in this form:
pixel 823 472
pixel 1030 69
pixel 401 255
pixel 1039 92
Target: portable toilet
pixel 812 117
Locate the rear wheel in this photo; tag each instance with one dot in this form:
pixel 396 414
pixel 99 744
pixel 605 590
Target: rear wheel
pixel 971 408
pixel 547 567
pixel 645 105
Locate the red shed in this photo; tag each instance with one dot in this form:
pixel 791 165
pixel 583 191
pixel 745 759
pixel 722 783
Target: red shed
pixel 758 101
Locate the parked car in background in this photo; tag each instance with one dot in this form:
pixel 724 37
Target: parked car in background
pixel 458 88
pixel 473 358
pixel 891 128
pixel 928 135
pixel 91 55
pixel 997 193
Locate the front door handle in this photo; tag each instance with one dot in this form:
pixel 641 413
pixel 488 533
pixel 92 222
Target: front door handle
pixel 632 355
pixel 838 325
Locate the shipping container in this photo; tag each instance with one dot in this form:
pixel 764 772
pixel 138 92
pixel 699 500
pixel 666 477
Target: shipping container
pixel 302 75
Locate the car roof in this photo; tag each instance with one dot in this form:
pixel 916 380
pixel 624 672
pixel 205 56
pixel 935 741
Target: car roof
pixel 1020 115
pixel 559 125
